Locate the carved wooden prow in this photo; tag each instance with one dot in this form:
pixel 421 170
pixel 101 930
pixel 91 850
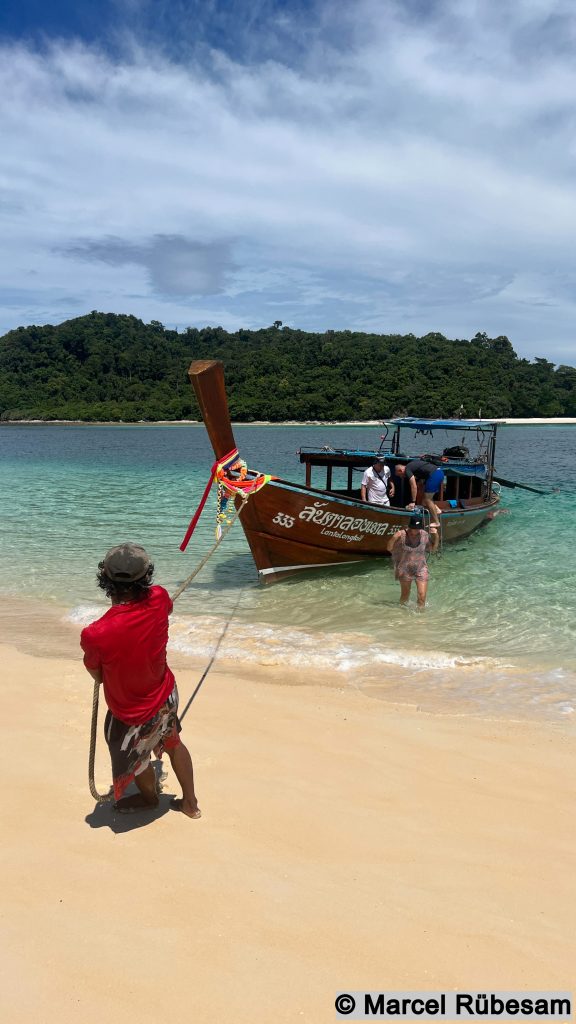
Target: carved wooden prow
pixel 207 379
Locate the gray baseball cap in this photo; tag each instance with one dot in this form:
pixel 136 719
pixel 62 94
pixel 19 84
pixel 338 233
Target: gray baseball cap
pixel 126 563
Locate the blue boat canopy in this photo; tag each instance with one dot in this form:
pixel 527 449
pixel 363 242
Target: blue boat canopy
pixel 418 424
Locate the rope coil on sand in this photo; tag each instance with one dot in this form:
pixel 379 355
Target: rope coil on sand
pixel 102 798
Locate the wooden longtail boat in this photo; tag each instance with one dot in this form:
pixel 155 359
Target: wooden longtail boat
pixel 293 527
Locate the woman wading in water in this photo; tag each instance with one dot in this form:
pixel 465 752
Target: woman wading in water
pixel 409 549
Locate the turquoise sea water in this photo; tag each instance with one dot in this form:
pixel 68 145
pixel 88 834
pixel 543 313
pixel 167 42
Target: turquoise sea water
pixel 497 637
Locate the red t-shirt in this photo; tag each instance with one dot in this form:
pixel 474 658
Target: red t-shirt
pixel 128 644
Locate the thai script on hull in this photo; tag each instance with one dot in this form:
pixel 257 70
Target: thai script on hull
pixel 315 514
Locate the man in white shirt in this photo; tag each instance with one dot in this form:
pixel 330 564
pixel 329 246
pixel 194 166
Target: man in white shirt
pixel 376 483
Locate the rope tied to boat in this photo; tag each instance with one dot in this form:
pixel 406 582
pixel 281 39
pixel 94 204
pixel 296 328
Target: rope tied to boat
pixel 243 487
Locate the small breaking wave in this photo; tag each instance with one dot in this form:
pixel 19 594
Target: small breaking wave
pixel 84 614
pixel 433 681
pixel 273 645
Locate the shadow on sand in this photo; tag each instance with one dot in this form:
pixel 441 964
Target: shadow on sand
pixel 104 815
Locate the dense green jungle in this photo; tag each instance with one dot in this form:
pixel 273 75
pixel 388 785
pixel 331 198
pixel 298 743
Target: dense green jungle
pixel 106 366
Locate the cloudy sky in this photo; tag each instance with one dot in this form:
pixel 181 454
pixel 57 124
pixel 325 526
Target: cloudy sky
pixel 385 165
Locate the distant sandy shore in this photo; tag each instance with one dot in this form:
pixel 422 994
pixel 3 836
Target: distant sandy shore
pixel 344 844
pixel 538 421
pixel 549 421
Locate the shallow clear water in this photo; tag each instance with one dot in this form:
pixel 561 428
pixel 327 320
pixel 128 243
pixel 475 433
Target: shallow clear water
pixel 497 636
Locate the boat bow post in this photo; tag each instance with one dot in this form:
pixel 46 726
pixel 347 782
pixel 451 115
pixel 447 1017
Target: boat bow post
pixel 207 379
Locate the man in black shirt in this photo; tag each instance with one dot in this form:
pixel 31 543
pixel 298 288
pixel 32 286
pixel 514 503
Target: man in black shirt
pixel 431 476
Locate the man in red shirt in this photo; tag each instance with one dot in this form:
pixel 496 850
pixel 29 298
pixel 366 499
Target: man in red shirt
pixel 125 650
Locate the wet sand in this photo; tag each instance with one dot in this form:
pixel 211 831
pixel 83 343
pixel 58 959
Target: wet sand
pixel 344 844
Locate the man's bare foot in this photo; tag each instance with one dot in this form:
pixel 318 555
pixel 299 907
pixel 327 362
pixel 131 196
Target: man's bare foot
pixel 188 809
pixel 136 802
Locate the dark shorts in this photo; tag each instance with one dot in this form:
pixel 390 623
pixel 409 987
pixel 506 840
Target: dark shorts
pixel 131 746
pixel 434 482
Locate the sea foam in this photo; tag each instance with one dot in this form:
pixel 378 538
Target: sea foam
pixel 435 681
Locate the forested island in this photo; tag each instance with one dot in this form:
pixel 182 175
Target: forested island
pixel 106 366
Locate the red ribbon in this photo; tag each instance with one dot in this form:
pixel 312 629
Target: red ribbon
pixel 198 511
pixel 226 458
pixel 233 486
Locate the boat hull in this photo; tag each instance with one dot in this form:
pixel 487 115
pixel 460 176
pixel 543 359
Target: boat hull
pixel 293 529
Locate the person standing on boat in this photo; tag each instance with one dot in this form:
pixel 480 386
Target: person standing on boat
pixel 409 549
pixel 377 486
pixel 125 649
pixel 431 476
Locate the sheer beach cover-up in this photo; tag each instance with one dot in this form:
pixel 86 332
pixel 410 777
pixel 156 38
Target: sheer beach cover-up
pixel 410 562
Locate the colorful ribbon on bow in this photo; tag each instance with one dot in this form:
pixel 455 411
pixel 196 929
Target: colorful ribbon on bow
pixel 245 484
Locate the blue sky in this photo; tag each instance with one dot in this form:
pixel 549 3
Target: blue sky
pixel 387 165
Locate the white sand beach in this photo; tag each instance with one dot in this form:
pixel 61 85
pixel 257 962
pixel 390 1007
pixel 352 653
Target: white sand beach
pixel 344 843
pixel 533 421
pixel 541 421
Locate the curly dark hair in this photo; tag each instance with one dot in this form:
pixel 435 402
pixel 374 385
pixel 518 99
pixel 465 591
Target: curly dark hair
pixel 136 591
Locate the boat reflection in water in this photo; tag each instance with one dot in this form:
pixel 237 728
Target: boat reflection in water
pixel 292 528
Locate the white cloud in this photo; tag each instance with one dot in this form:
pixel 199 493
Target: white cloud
pixel 411 171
